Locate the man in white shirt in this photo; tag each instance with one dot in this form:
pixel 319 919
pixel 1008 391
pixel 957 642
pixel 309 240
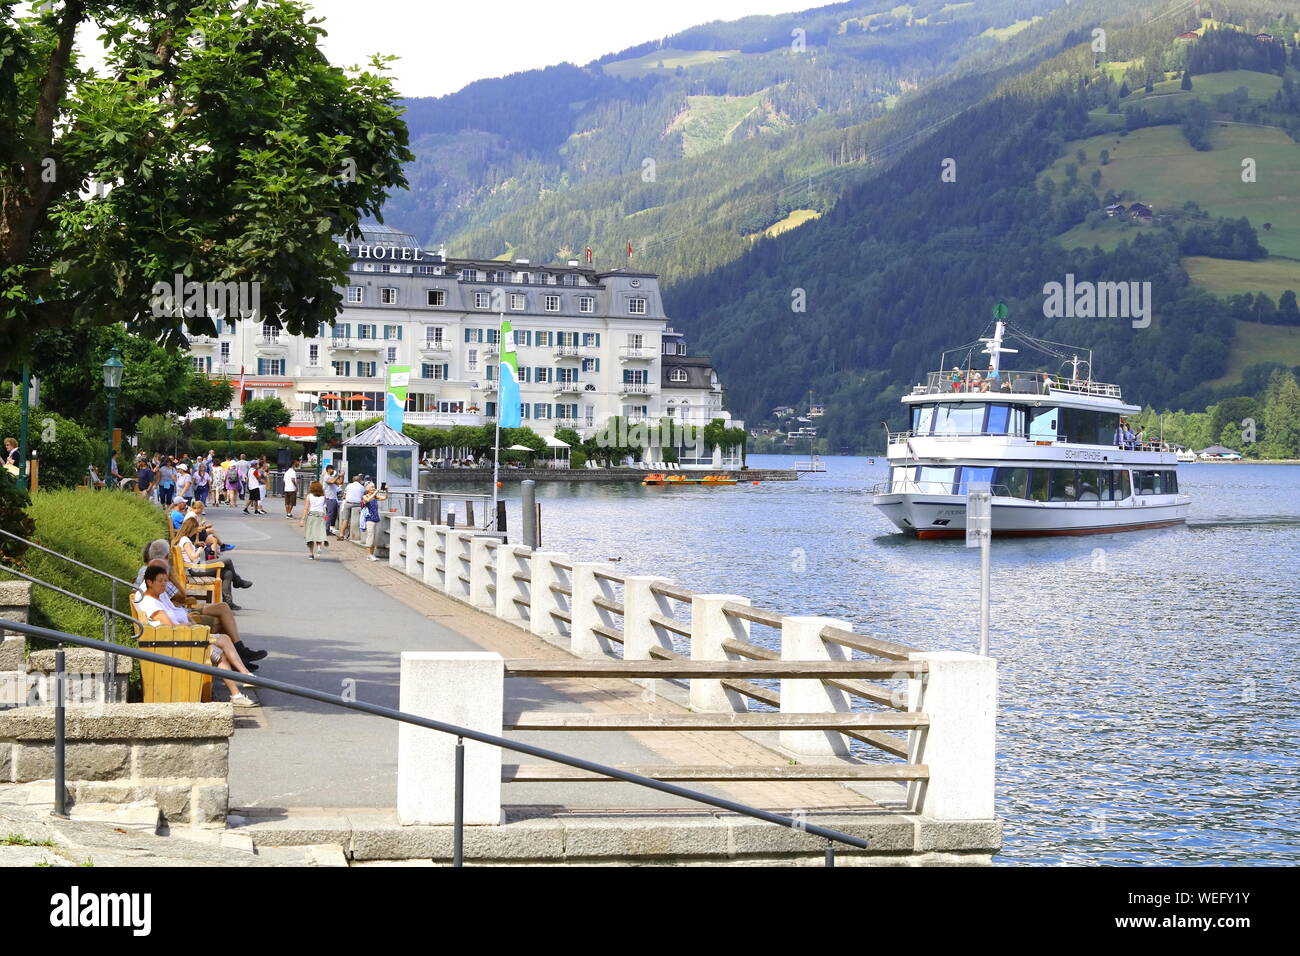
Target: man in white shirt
pixel 290 488
pixel 352 496
pixel 331 480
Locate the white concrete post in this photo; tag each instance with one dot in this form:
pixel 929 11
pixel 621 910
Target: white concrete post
pixel 397 543
pixel 960 696
pixel 481 572
pixel 801 640
pixel 512 559
pixel 709 628
pixel 465 688
pixel 415 534
pixel 435 537
pixel 540 620
pixel 639 602
pixel 588 585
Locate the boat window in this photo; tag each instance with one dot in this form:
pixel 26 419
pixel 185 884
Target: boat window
pixel 1144 482
pixel 1042 424
pixel 936 481
pixel 1063 486
pixel 997 420
pixel 1090 483
pixel 974 479
pixel 1038 482
pixel 1086 427
pixel 958 418
pixel 1171 482
pixel 1012 482
pixel 922 419
pixel 1123 487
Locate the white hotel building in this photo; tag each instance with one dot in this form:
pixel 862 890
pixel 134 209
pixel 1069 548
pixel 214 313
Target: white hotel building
pixel 591 344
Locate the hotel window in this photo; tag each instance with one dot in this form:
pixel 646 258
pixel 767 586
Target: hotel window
pixel 270 331
pixel 636 306
pixel 366 369
pixel 677 375
pixel 370 332
pixel 541 410
pixel 385 267
pixel 564 339
pixel 356 293
pixel 342 330
pixel 543 374
pixel 525 373
pixel 429 370
pixel 635 376
pixel 566 375
pixel 552 303
pixel 542 339
pixel 203 364
pixel 516 301
pixel 524 410
pixel 435 297
pixel 392 355
pixel 566 411
pixel 469 275
pixel 388 296
pixel 591 365
pixel 426 271
pixel 493 336
pixel 225 352
pixel 270 366
pixel 570 279
pixel 634 340
pixel 471 360
pixel 591 339
pixel 230 327
pixel 342 368
pixel 482 300
pixel 523 337
pixel 586 303
pixel 473 335
pixel 491 410
pixel 490 372
pixel 313 355
pixel 393 333
pixel 433 333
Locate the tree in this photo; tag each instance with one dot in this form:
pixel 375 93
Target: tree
pixel 64 448
pixel 1151 84
pixel 1187 80
pixel 1124 90
pixel 1282 417
pixel 1105 156
pixel 229 148
pixel 1288 313
pixel 265 415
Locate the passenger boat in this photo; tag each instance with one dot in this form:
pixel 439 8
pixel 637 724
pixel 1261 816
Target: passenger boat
pixel 1051 448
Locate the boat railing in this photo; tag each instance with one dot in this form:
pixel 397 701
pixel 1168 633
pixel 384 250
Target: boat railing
pixel 1012 382
pixel 907 486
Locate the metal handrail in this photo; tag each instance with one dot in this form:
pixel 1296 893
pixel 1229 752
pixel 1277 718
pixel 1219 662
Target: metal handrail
pixel 66 593
pixel 85 567
pixel 461 733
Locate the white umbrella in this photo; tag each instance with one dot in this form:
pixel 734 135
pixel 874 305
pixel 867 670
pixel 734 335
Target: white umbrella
pixel 518 448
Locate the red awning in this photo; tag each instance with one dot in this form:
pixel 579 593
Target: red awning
pixel 297 431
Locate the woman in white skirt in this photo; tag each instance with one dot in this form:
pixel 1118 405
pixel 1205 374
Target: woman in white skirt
pixel 313 518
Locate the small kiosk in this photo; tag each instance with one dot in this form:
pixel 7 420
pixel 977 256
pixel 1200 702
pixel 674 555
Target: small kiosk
pixel 387 456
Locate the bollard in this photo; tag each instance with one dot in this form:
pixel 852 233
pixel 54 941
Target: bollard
pixel 709 628
pixel 528 513
pixel 501 518
pixel 801 640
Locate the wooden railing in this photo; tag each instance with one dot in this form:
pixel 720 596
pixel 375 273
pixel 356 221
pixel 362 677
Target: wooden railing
pixel 826 690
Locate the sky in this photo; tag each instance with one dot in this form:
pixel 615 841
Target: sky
pixel 444 47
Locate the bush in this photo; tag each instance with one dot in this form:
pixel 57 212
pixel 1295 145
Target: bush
pixel 13 515
pixel 65 449
pixel 253 449
pixel 104 529
pixel 577 459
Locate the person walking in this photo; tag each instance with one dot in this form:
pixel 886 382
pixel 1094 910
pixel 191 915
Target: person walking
pixel 241 469
pixel 352 496
pixel 114 475
pixel 184 484
pixel 144 478
pixel 313 519
pixel 370 518
pixel 202 479
pixel 290 488
pixel 332 482
pixel 256 481
pixel 232 483
pixel 166 482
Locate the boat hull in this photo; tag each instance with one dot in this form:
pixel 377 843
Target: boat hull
pixel 944 516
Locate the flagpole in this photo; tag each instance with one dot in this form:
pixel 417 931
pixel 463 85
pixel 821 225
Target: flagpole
pixel 496 453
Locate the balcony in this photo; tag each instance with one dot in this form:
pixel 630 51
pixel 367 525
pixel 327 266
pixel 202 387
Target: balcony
pixel 435 346
pixel 566 352
pixel 270 343
pixel 636 388
pixel 340 342
pixel 489 388
pixel 574 423
pixel 367 344
pixel 632 353
pixel 202 340
pixel 564 388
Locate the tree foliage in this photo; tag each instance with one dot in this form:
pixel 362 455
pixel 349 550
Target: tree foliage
pixel 265 415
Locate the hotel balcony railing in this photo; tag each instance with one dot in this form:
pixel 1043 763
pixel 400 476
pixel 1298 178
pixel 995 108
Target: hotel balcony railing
pixel 563 387
pixel 636 388
pixel 566 351
pixel 489 387
pixel 368 343
pixel 435 345
pixel 202 340
pixel 628 352
pixel 271 342
pixel 574 423
pixel 340 342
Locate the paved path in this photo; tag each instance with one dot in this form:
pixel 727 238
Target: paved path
pixel 341 618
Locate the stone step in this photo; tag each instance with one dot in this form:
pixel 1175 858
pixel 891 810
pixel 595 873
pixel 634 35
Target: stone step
pixel 142 816
pixel 312 854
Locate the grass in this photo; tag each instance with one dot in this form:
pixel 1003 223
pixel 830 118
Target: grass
pixel 794 220
pixel 1256 343
pixel 1233 277
pixel 671 59
pixel 17 839
pixel 1010 30
pixel 1159 167
pixel 1207 86
pixel 709 120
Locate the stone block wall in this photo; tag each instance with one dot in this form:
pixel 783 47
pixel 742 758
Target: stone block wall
pixel 174 754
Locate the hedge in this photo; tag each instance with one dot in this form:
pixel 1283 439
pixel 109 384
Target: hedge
pixel 65 448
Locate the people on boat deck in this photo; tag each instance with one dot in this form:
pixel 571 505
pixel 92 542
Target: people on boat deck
pixel 956 378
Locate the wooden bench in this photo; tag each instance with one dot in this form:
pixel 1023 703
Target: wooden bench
pixel 196 581
pixel 173 685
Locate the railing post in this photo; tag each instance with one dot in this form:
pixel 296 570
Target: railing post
pixel 397 542
pixel 639 602
pixel 587 586
pixel 435 571
pixel 458 563
pixel 481 573
pixel 415 532
pixel 544 574
pixel 710 627
pixel 959 694
pixel 60 741
pixel 801 640
pixel 512 559
pixel 466 688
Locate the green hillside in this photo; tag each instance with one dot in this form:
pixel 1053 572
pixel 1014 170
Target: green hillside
pixel 1260 344
pixel 1272 276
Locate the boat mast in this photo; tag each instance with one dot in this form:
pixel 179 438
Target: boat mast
pixel 993 348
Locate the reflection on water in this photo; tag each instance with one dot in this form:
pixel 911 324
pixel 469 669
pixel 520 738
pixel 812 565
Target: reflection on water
pixel 1147 680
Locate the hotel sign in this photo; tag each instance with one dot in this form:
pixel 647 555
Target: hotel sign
pixel 392 253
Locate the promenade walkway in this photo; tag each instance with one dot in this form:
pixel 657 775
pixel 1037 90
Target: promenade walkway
pixel 342 619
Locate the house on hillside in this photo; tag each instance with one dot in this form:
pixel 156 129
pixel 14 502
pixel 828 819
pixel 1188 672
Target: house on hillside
pixel 1141 212
pixel 1189 35
pixel 1114 209
pixel 816 411
pixel 782 411
pixel 1264 37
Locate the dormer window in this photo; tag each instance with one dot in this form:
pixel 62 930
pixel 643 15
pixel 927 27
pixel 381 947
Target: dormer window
pixel 677 375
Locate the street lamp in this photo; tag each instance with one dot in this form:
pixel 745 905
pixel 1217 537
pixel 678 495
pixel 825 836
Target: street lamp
pixel 318 416
pixel 230 430
pixel 112 383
